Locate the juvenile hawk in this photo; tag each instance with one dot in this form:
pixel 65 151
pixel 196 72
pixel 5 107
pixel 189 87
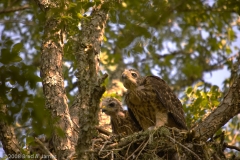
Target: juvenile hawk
pixel 121 123
pixel 151 102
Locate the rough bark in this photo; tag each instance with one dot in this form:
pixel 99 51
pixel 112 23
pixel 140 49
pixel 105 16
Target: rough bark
pixel 89 83
pixel 53 85
pixel 229 107
pixel 7 136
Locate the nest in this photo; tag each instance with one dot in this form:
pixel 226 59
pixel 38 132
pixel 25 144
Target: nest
pixel 158 144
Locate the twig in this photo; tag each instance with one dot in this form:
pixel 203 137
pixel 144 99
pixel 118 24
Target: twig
pixel 135 150
pixel 129 145
pixel 112 155
pixel 115 149
pixel 142 149
pixel 109 152
pixel 104 137
pixel 26 22
pixel 102 78
pixel 45 149
pixel 103 131
pixel 105 143
pixel 94 142
pixel 231 147
pixel 174 141
pixel 13 9
pixel 135 137
pixel 72 156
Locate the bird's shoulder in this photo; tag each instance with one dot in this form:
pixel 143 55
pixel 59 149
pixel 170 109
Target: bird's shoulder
pixel 152 80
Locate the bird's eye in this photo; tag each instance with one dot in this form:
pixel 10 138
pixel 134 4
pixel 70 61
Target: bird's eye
pixel 112 104
pixel 134 75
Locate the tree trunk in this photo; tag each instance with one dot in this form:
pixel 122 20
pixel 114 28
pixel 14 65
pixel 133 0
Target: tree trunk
pixel 89 84
pixel 53 84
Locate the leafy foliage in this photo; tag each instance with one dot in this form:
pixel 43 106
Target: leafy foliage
pixel 180 41
pixel 199 103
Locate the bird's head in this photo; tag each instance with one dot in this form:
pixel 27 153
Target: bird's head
pixel 111 106
pixel 130 78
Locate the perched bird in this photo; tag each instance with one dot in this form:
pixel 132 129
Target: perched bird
pixel 151 102
pixel 121 123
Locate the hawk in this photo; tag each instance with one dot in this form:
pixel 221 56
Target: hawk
pixel 122 124
pixel 151 101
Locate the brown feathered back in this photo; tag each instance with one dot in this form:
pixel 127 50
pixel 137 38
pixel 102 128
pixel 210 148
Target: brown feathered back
pixel 151 101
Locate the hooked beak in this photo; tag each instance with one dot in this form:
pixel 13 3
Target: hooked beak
pixel 103 109
pixel 124 76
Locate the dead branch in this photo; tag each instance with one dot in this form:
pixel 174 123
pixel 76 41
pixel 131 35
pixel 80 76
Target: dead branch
pixel 46 151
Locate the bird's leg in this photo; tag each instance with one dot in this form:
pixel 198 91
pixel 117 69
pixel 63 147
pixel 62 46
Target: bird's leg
pixel 152 128
pixel 161 118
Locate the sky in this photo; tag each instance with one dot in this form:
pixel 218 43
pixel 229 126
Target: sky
pixel 217 77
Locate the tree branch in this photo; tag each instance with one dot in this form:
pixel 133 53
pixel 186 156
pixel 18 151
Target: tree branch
pixel 29 23
pixel 14 9
pixel 7 135
pixel 229 107
pixel 89 83
pixel 231 147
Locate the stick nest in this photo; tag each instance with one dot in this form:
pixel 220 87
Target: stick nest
pixel 158 144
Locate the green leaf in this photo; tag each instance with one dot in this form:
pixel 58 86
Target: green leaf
pixel 228 50
pixel 16 59
pixel 197 102
pixel 30 140
pixel 189 90
pixel 17 47
pixel 231 34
